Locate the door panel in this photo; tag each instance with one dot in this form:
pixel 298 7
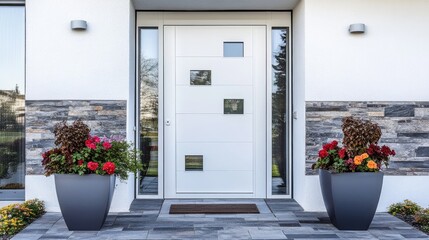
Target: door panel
pixel 230 137
pixel 214 128
pixel 210 182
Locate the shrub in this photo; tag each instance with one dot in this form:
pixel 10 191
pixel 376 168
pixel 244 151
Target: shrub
pixel 411 213
pixel 360 151
pixel 406 208
pixel 77 152
pixel 422 218
pixel 359 134
pixel 12 186
pixel 14 217
pixel 70 138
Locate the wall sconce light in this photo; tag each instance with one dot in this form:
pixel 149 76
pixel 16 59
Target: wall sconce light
pixel 78 25
pixel 357 28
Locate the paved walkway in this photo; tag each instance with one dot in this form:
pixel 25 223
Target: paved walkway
pixel 279 219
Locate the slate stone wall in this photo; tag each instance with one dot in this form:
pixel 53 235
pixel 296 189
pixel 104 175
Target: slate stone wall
pixel 404 125
pixel 103 117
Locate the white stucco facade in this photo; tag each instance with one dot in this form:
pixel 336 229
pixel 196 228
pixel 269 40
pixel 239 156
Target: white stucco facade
pixel 386 63
pixel 97 64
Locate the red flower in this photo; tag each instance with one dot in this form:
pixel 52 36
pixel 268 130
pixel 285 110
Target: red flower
pixel 342 153
pixel 107 145
pixel 323 153
pixel 96 139
pixel 109 167
pixel 370 151
pixel 334 144
pixel 80 162
pixel 92 166
pixel 327 147
pixel 386 151
pixel 88 143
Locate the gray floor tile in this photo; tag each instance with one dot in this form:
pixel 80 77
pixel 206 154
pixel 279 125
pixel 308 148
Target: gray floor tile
pixel 278 219
pixel 27 236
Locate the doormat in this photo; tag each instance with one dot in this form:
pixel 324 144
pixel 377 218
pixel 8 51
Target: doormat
pixel 213 208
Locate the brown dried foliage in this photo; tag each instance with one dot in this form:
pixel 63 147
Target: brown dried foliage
pixel 71 138
pixel 359 133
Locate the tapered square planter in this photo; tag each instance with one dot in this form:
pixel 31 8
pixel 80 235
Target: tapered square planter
pixel 351 199
pixel 84 200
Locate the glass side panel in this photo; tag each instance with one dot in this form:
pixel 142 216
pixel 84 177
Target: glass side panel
pixel 12 102
pixel 280 75
pixel 233 49
pixel 149 96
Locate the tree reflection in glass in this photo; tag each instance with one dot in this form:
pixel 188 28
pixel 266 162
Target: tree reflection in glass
pixel 12 101
pixel 148 77
pixel 279 111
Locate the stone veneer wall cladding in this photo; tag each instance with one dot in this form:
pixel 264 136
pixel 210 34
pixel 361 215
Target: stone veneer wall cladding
pixel 404 126
pixel 104 117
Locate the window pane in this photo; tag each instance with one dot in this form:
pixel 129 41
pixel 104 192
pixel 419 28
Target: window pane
pixel 233 49
pixel 280 73
pixel 148 78
pixel 12 102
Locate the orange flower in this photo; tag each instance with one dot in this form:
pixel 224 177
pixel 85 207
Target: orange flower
pixel 358 160
pixel 364 156
pixel 371 164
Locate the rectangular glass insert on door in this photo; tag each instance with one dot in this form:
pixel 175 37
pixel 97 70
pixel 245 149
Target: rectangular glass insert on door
pixel 148 110
pixel 280 119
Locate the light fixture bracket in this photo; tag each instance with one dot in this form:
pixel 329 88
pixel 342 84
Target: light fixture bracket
pixel 357 28
pixel 78 25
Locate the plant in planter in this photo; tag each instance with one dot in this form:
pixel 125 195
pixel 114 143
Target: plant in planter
pixel 350 176
pixel 85 167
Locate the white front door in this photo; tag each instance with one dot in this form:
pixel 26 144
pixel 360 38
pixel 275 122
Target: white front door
pixel 215 111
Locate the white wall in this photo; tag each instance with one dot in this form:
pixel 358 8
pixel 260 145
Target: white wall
pixel 387 63
pixel 298 151
pixel 96 64
pixel 66 64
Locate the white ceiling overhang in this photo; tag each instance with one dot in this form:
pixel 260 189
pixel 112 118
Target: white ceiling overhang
pixel 214 5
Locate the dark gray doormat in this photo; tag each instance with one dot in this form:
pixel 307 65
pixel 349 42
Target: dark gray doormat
pixel 213 208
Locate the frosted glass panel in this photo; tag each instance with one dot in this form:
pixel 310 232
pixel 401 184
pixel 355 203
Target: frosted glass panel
pixel 233 49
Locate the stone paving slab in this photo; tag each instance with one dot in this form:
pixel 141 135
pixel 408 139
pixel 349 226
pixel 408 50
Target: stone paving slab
pixel 279 219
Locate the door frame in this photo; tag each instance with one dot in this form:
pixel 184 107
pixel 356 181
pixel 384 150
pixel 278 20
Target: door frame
pixel 268 19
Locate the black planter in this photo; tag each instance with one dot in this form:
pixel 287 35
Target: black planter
pixel 351 199
pixel 84 200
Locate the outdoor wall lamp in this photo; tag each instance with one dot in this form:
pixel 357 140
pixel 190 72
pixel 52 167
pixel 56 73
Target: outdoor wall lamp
pixel 78 25
pixel 357 28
